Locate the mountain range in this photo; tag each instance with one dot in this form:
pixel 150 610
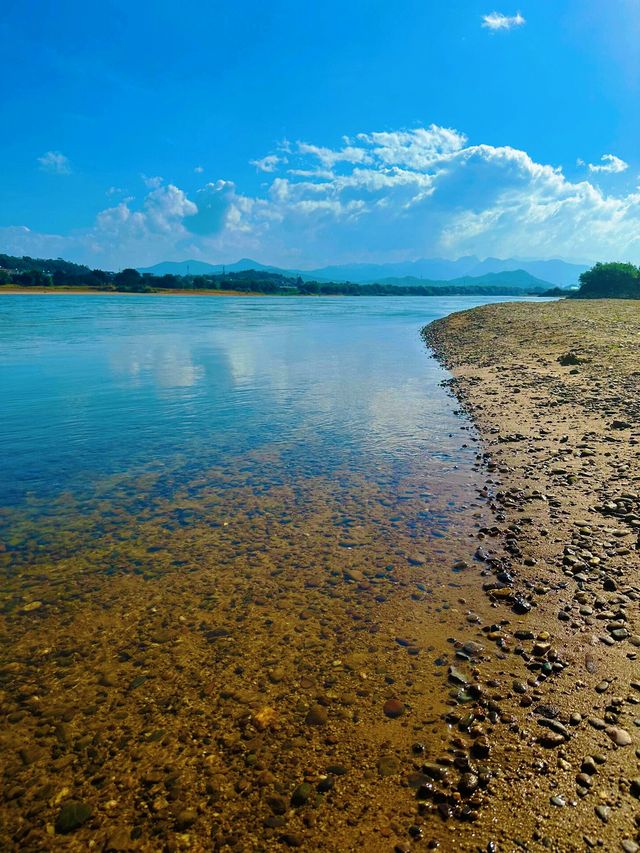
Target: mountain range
pixel 408 273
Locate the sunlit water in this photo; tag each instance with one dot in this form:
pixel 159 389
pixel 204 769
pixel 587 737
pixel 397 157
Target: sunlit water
pixel 93 385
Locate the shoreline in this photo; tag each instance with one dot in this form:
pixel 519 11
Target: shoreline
pixel 552 390
pixel 11 290
pixel 92 291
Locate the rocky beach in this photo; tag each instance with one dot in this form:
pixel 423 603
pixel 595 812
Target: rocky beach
pixel 553 390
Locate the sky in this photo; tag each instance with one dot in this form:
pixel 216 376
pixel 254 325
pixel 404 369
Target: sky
pixel 303 134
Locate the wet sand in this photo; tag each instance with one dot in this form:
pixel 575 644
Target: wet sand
pixel 554 391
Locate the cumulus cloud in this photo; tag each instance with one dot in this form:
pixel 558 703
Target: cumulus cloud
pixel 55 162
pixel 379 196
pixel 496 21
pixel 609 164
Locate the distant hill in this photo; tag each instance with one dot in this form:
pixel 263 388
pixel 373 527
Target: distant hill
pixel 45 265
pixel 554 272
pixel 512 279
pixel 204 268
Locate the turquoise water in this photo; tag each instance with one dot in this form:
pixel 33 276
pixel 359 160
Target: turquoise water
pixel 94 386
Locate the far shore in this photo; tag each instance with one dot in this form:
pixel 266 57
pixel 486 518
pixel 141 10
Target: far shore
pixel 12 290
pixel 92 291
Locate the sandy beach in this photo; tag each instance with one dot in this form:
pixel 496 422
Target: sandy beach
pixel 553 390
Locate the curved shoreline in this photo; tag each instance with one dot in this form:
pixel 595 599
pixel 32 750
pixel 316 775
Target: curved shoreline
pixel 561 460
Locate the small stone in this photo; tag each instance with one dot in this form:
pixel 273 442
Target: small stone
pixel 468 783
pixel 619 736
pixel 72 815
pixel 185 819
pixel 388 765
pixel 551 739
pixel 301 794
pixel 584 780
pixel 629 846
pixel 603 812
pixel 119 841
pixel 457 677
pixel 278 805
pixel 276 675
pixel 317 716
pixel 393 708
pixel 264 718
pixel 558 801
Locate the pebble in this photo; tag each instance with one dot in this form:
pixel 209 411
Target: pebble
pixel 551 739
pixel 468 783
pixel 301 794
pixel 72 815
pixel 457 677
pixel 277 804
pixel 317 716
pixel 619 736
pixel 603 812
pixel 393 708
pixel 185 819
pixel 119 841
pixel 388 765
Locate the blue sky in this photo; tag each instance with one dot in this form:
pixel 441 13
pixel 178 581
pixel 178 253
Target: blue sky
pixel 310 133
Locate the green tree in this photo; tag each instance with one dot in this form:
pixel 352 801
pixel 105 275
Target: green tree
pixel 610 281
pixel 130 281
pixel 32 278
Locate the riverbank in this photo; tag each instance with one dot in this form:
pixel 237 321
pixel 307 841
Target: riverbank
pixel 554 391
pixel 83 291
pixel 92 291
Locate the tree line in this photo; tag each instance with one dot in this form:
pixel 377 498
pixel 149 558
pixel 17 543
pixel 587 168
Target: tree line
pixel 58 273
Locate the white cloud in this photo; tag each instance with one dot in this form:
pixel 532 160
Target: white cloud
pixel 329 158
pixel 199 170
pixel 267 164
pixel 497 21
pixel 55 162
pixel 379 196
pixel 610 164
pixel 151 182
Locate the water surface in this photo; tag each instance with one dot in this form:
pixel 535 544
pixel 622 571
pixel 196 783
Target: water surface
pixel 99 385
pixel 217 514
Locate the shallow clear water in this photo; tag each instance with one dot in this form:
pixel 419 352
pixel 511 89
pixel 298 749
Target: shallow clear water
pixel 97 385
pixel 214 514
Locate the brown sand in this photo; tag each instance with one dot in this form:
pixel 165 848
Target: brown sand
pixel 554 390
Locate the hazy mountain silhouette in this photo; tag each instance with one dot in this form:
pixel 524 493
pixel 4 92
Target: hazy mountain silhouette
pixel 422 271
